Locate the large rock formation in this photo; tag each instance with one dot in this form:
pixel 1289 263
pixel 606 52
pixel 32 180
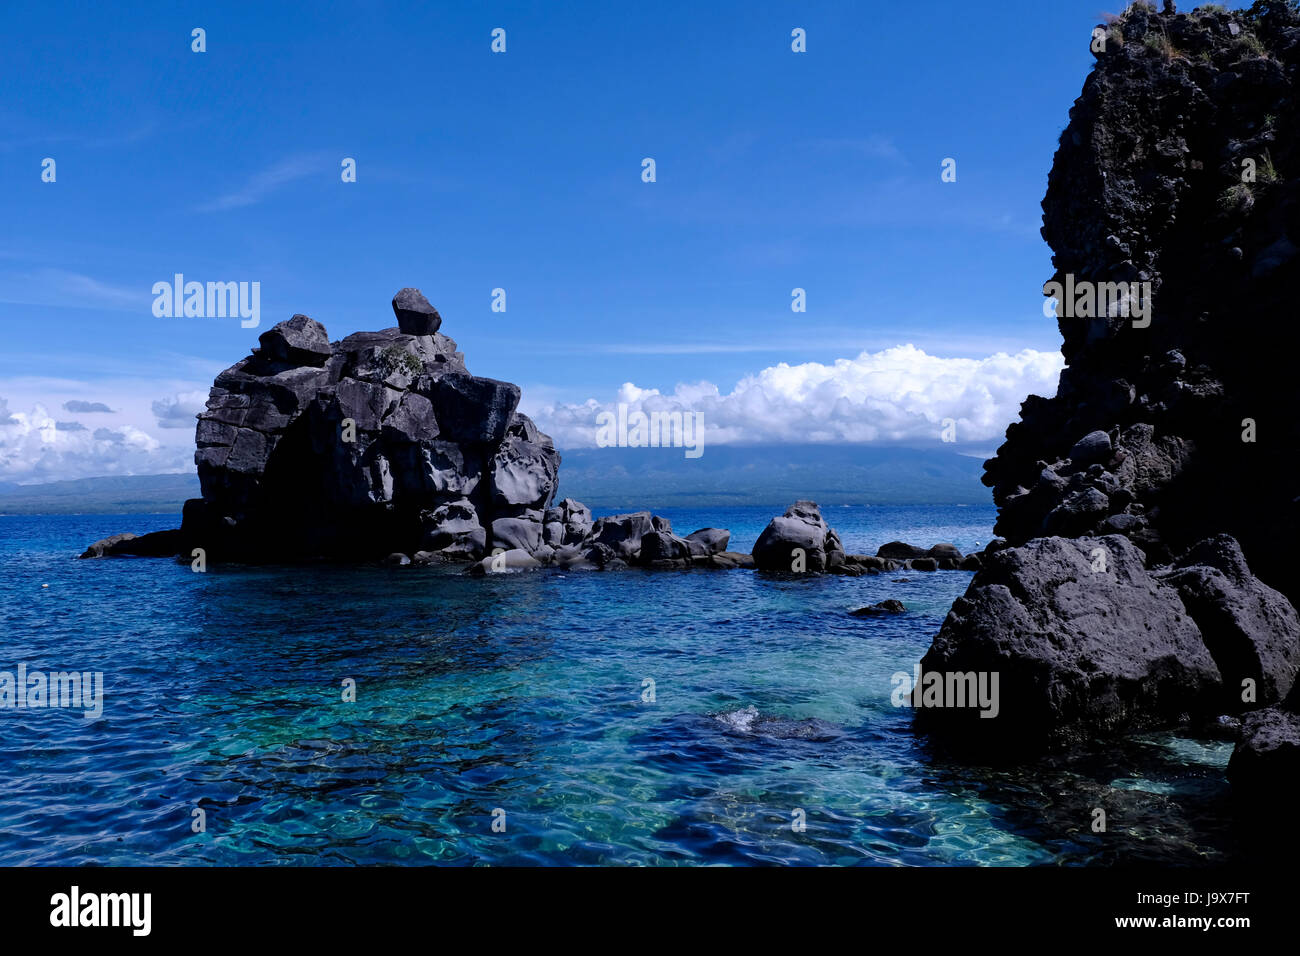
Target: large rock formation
pixel 384 447
pixel 1150 509
pixel 381 442
pixel 1145 434
pixel 1087 641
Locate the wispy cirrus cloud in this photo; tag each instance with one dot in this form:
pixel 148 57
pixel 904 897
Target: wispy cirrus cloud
pixel 60 287
pixel 870 147
pixel 262 184
pixel 44 139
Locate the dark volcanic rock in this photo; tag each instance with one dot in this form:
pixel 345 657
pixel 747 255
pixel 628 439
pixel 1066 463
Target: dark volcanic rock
pixel 708 541
pixel 473 410
pixel 730 559
pixel 623 533
pixel 381 443
pixel 800 534
pixel 1251 630
pixel 888 606
pixel 944 555
pixel 900 551
pixel 1263 771
pixel 567 523
pixel 156 544
pixel 299 341
pixel 415 316
pixel 1079 651
pixel 1147 186
pixel 104 547
pixel 663 546
pixel 1170 437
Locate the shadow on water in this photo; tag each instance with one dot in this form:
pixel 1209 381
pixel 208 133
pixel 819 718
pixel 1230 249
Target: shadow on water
pixel 1165 799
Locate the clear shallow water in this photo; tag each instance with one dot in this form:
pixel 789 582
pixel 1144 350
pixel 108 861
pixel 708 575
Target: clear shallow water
pixel 523 692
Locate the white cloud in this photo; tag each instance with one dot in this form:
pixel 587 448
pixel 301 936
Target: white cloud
pixel 898 395
pixel 130 439
pixel 178 411
pixel 262 184
pixel 33 447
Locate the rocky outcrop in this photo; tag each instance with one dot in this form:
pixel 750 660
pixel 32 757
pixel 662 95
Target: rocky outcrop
pixel 1251 630
pixel 888 606
pixel 382 442
pixel 1263 770
pixel 1087 642
pixel 1268 758
pixel 154 545
pixel 1177 170
pixel 1149 508
pixel 799 540
pixel 901 551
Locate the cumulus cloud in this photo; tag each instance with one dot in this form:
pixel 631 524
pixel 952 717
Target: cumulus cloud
pixel 83 407
pixel 35 447
pixel 900 395
pixel 178 411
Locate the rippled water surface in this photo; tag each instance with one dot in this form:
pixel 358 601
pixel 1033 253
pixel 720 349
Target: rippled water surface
pixel 523 693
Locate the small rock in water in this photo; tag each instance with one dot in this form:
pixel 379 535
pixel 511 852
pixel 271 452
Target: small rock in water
pixel 748 722
pixel 889 606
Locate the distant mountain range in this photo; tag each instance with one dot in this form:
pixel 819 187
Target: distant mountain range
pixel 625 478
pixel 135 494
pixel 771 475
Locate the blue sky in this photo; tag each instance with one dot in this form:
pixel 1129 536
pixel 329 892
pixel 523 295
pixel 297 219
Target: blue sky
pixel 522 170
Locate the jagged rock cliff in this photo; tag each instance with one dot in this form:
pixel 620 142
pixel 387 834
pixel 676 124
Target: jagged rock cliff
pixel 1150 509
pixel 1145 435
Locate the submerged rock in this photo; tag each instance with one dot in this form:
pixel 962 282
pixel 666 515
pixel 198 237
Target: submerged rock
pixel 748 722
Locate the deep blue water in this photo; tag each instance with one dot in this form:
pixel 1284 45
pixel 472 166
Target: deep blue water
pixel 523 693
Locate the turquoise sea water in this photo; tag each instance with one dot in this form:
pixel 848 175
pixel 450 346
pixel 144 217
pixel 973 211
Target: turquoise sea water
pixel 523 694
